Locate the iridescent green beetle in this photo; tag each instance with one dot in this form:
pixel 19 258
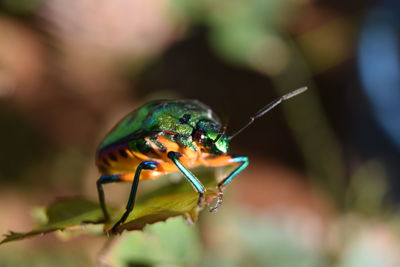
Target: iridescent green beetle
pixel 166 136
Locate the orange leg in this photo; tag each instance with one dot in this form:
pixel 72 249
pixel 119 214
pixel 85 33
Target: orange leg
pixel 219 161
pixel 225 160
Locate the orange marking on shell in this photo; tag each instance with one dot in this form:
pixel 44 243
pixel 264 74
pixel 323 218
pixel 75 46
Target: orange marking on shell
pixel 140 156
pixel 129 153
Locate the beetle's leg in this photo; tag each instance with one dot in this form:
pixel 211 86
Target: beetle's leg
pixel 106 179
pixel 158 147
pixel 223 161
pixel 174 156
pixel 145 165
pixel 244 162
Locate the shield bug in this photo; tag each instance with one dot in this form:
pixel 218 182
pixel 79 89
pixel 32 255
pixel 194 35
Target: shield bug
pixel 165 136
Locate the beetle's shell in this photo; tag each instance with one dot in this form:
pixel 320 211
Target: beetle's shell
pixel 168 122
pixel 161 115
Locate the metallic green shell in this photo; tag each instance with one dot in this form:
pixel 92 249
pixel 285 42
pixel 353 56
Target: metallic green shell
pixel 162 115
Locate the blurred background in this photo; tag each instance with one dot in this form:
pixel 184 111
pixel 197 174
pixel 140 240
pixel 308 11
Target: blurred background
pixel 322 188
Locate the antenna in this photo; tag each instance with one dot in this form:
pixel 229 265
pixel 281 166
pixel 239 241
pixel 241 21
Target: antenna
pixel 267 108
pixel 221 133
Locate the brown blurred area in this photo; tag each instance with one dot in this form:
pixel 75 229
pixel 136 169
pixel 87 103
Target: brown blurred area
pixel 70 69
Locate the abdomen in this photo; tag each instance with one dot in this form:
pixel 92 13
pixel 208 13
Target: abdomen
pixel 120 159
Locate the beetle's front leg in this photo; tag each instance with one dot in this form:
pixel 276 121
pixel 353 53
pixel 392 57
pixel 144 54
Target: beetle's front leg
pixel 225 160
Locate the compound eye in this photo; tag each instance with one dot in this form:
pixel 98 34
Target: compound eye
pixel 198 135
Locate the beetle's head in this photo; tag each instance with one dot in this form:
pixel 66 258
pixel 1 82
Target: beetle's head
pixel 211 136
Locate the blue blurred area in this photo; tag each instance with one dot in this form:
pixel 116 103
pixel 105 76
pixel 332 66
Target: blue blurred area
pixel 379 67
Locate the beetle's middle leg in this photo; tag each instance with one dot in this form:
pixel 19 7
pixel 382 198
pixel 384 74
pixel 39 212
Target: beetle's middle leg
pixel 174 156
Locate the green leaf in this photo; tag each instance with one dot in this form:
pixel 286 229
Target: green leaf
pixel 61 215
pixel 173 199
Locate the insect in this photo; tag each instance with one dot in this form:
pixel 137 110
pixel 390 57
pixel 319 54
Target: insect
pixel 166 136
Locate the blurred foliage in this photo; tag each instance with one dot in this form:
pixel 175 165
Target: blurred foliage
pixel 367 191
pixel 250 240
pixel 20 7
pixel 263 241
pixel 170 243
pixel 45 258
pixel 237 31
